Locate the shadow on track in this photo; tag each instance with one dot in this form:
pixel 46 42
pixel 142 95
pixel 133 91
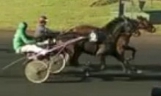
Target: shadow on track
pixel 72 77
pixel 151 67
pixel 76 75
pixel 6 50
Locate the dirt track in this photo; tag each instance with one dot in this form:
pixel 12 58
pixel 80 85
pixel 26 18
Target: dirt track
pixel 13 82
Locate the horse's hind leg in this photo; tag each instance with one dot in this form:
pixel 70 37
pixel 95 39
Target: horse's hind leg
pixel 102 59
pixel 74 59
pixel 133 52
pixel 103 62
pixel 74 54
pixel 99 53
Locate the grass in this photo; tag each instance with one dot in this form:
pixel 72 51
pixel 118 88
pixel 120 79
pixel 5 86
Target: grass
pixel 62 14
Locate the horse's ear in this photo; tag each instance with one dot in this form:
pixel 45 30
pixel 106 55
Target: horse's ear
pixel 138 17
pixel 141 17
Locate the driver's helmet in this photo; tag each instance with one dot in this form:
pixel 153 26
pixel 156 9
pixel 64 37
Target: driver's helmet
pixel 42 19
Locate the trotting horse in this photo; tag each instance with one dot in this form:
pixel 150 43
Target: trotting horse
pixel 140 23
pixel 118 33
pixel 114 28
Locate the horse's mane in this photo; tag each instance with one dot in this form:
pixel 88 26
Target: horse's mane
pixel 117 26
pixel 134 22
pixel 112 24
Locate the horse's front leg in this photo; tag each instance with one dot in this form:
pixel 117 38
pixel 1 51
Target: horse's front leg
pixel 120 56
pixel 127 67
pixel 133 50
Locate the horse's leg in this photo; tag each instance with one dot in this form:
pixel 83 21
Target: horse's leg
pixel 127 67
pixel 74 54
pixel 124 63
pixel 100 53
pixel 103 62
pixel 120 56
pixel 132 68
pixel 127 47
pixel 121 47
pixel 74 58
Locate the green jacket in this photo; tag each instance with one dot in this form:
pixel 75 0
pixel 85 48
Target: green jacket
pixel 21 38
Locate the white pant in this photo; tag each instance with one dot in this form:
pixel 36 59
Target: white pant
pixel 32 48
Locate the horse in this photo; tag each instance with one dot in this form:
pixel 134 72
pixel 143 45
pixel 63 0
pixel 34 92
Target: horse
pixel 141 23
pixel 114 26
pixel 137 25
pixel 70 48
pixel 121 37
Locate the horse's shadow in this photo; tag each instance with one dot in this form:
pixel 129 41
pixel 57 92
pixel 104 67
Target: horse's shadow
pixel 79 77
pixel 106 78
pixel 68 77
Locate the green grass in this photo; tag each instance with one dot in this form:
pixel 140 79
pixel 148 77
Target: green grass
pixel 62 14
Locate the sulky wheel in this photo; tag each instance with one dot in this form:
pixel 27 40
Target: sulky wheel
pixel 37 71
pixel 57 63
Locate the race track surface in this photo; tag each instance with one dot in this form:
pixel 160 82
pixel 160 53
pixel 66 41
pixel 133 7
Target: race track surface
pixel 14 83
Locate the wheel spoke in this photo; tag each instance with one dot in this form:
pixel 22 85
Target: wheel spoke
pixel 36 71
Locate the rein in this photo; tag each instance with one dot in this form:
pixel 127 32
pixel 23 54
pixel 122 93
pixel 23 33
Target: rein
pixel 59 46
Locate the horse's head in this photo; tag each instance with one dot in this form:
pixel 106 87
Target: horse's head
pixel 129 27
pixel 132 27
pixel 145 24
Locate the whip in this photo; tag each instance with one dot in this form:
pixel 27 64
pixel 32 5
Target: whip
pixel 13 63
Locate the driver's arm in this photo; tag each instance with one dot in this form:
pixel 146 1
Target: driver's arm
pixel 26 39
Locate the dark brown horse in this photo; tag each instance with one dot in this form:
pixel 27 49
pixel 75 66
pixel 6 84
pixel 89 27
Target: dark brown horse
pixel 118 34
pixel 138 24
pixel 114 28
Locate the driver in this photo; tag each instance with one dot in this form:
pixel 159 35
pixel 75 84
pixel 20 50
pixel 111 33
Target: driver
pixel 23 43
pixel 42 32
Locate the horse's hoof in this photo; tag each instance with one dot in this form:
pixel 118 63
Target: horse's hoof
pixel 130 59
pixel 139 71
pixel 103 67
pixel 87 74
pixel 127 71
pixel 136 71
